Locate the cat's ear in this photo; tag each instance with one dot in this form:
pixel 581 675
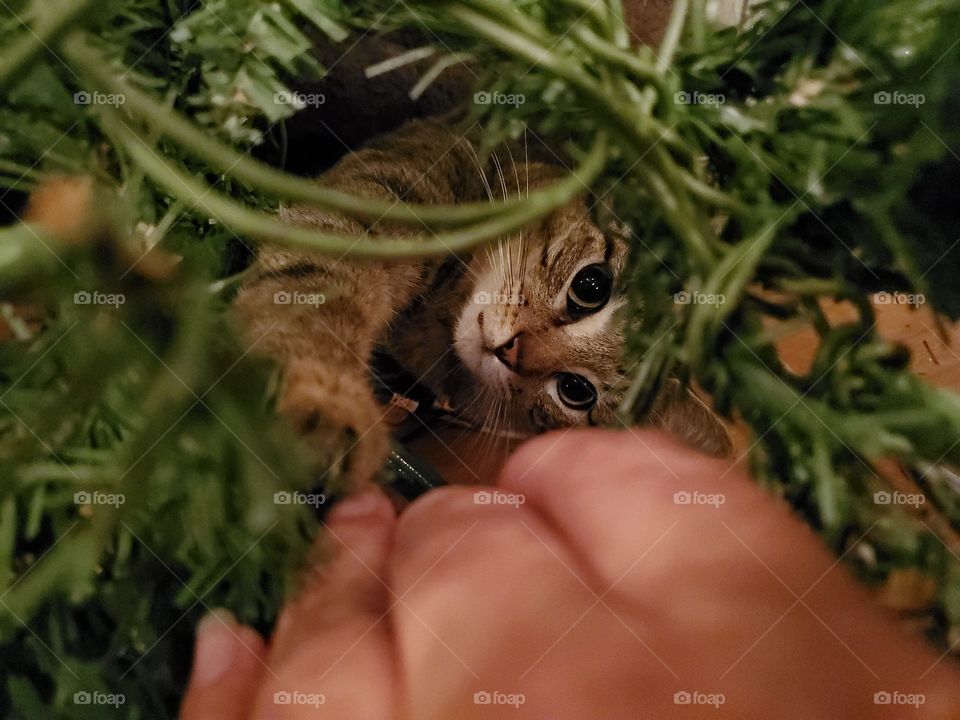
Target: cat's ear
pixel 682 414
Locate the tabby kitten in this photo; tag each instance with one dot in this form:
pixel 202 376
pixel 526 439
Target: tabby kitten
pixel 523 335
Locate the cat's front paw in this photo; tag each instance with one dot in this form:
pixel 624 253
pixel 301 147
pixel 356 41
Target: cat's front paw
pixel 334 409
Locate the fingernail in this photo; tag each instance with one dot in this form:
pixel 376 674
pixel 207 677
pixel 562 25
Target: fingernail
pixel 366 503
pixel 216 647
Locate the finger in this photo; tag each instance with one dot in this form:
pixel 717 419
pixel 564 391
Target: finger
pixel 615 495
pixel 227 666
pixel 747 579
pixel 330 653
pixel 493 604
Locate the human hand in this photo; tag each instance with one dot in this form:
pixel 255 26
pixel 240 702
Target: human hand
pixel 583 587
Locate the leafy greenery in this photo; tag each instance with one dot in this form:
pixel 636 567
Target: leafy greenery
pixel 764 167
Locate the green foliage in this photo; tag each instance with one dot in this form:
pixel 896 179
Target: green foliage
pixel 140 460
pixel 812 187
pixel 240 88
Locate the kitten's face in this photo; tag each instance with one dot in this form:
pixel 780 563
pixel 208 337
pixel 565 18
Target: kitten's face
pixel 540 333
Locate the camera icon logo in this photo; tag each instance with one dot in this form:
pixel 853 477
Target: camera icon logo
pixel 82 497
pixel 682 497
pixel 81 98
pixel 482 497
pixel 282 497
pixel 482 697
pixel 82 697
pixel 282 297
pixel 882 98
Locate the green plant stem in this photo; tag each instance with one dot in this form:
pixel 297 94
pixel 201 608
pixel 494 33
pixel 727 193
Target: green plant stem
pixel 656 364
pixel 677 212
pixel 398 61
pixel 70 564
pixel 671 36
pixel 627 60
pixel 728 280
pixel 433 72
pixel 231 281
pixel 265 178
pixel 8 541
pixel 641 132
pixel 698 25
pixel 620 34
pixel 634 129
pixel 13 168
pixel 255 224
pixel 870 435
pixel 166 222
pixel 599 13
pixel 25 257
pixel 709 194
pixel 507 14
pixel 54 19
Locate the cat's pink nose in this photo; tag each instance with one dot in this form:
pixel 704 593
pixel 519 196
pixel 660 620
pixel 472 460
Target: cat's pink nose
pixel 509 353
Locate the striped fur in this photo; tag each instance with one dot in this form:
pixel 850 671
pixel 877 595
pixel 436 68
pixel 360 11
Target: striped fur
pixel 442 318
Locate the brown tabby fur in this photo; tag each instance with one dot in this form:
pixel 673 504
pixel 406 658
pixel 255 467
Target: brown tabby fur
pixel 428 314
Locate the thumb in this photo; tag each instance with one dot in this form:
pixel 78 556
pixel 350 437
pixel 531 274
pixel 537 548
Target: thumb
pixel 333 642
pixel 227 665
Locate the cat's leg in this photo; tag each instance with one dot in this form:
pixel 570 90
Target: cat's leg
pixel 681 413
pixel 320 319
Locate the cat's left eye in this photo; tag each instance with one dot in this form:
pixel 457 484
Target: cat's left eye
pixel 589 290
pixel 575 391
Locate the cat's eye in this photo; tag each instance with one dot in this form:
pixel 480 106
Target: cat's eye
pixel 575 391
pixel 589 290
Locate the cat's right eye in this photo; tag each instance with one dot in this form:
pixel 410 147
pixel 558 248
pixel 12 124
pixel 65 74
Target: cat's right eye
pixel 589 290
pixel 575 391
